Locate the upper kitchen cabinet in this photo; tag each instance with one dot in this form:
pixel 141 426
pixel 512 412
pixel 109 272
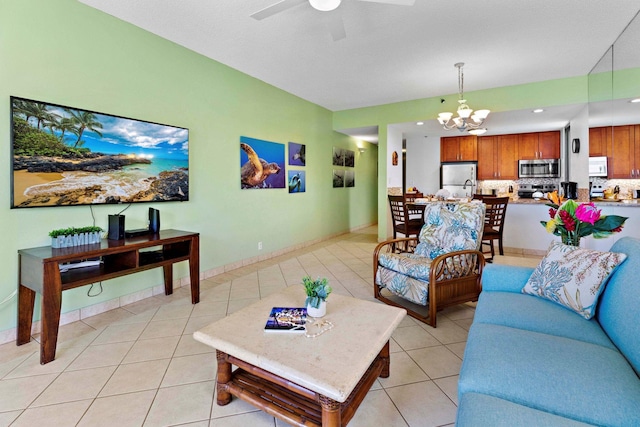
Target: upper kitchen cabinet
pixel 498 157
pixel 549 144
pixel 458 148
pixel 599 141
pixel 539 145
pixel 624 158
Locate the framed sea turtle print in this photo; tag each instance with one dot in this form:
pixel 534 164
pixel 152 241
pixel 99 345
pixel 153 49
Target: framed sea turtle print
pixel 261 164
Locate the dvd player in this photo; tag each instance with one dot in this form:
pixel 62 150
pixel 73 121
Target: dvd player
pixel 137 232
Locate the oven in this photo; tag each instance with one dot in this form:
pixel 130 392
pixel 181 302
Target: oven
pixel 526 191
pixel 539 168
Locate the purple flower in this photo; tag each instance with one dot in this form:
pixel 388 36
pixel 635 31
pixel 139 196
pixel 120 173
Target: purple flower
pixel 587 212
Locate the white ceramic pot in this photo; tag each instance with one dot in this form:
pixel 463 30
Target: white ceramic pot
pixel 317 312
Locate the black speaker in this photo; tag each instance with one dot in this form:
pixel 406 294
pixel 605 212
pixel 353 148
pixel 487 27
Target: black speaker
pixel 116 227
pixel 154 220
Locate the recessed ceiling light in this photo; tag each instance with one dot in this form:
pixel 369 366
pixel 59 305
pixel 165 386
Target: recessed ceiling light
pixel 635 100
pixel 538 110
pixel 419 123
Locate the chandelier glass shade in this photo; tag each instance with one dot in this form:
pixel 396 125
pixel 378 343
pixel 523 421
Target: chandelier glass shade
pixel 467 119
pixel 325 5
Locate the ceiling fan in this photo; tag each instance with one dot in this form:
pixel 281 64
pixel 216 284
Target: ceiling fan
pixel 336 26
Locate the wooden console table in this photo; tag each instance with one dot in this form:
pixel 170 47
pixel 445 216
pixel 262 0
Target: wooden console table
pixel 39 271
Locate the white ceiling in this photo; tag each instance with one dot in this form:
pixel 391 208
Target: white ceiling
pixel 391 53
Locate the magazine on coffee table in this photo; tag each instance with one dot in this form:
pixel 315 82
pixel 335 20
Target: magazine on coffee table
pixel 287 320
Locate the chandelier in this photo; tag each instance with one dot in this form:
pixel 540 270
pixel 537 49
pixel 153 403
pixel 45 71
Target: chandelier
pixel 467 119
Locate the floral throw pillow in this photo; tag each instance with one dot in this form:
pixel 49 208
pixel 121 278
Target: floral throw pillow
pixel 573 277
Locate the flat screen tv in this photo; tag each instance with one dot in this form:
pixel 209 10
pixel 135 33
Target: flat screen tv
pixel 65 156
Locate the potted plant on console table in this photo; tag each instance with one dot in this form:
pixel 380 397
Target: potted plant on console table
pixel 317 293
pixel 65 237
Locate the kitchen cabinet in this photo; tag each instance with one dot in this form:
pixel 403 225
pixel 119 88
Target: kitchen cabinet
pixel 624 158
pixel 539 145
pixel 458 148
pixel 599 141
pixel 498 157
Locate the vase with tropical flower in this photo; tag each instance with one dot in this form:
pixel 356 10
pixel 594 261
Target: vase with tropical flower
pixel 572 221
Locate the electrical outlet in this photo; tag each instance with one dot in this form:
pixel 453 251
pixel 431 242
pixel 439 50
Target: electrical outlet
pixel 259 246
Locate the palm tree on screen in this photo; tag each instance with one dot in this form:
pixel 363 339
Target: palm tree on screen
pixel 37 110
pixel 84 121
pixel 67 125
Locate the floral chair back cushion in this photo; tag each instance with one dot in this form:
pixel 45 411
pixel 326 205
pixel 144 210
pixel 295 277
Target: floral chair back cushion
pixel 451 227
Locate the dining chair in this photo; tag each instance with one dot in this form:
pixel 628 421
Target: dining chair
pixel 415 211
pixel 407 222
pixel 496 209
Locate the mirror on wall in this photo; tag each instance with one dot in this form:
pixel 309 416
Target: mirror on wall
pixel 601 91
pixel 614 117
pixel 626 75
pixel 615 80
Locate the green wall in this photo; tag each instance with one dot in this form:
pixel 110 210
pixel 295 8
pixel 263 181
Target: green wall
pixel 64 52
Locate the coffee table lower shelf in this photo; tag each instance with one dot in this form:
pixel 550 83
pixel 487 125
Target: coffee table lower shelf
pixel 288 401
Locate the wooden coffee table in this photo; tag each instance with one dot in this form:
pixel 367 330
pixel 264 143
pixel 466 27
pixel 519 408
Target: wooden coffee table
pixel 303 381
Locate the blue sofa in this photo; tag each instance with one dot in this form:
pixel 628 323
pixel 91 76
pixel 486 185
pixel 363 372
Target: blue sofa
pixel 529 361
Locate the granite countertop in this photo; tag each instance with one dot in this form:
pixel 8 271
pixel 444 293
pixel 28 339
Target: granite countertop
pixel 623 202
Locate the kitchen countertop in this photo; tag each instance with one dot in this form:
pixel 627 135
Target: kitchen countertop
pixel 624 202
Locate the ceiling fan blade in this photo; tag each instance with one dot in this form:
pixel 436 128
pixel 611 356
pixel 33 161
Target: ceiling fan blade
pixel 281 6
pixel 336 28
pixel 394 2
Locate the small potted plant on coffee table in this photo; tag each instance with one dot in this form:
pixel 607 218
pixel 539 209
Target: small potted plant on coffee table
pixel 317 293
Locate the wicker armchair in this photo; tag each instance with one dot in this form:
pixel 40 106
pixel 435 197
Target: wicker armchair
pixel 440 268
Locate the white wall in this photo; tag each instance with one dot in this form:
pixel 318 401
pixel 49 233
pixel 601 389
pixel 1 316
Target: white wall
pixel 577 161
pixel 522 228
pixel 394 143
pixel 423 163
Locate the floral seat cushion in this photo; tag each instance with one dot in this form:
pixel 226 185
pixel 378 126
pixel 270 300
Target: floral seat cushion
pixel 448 227
pixel 411 265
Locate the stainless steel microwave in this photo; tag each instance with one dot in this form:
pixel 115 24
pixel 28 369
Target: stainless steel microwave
pixel 539 168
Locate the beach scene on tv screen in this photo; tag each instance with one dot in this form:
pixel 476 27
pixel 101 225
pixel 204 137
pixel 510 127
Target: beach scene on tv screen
pixel 66 156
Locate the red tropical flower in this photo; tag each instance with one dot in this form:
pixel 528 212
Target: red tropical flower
pixel 567 220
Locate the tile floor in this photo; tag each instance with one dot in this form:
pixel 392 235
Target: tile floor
pixel 139 365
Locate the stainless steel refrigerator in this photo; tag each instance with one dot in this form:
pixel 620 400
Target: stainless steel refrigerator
pixel 459 178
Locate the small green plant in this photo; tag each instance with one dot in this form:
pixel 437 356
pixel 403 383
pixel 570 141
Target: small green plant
pixel 74 230
pixel 317 290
